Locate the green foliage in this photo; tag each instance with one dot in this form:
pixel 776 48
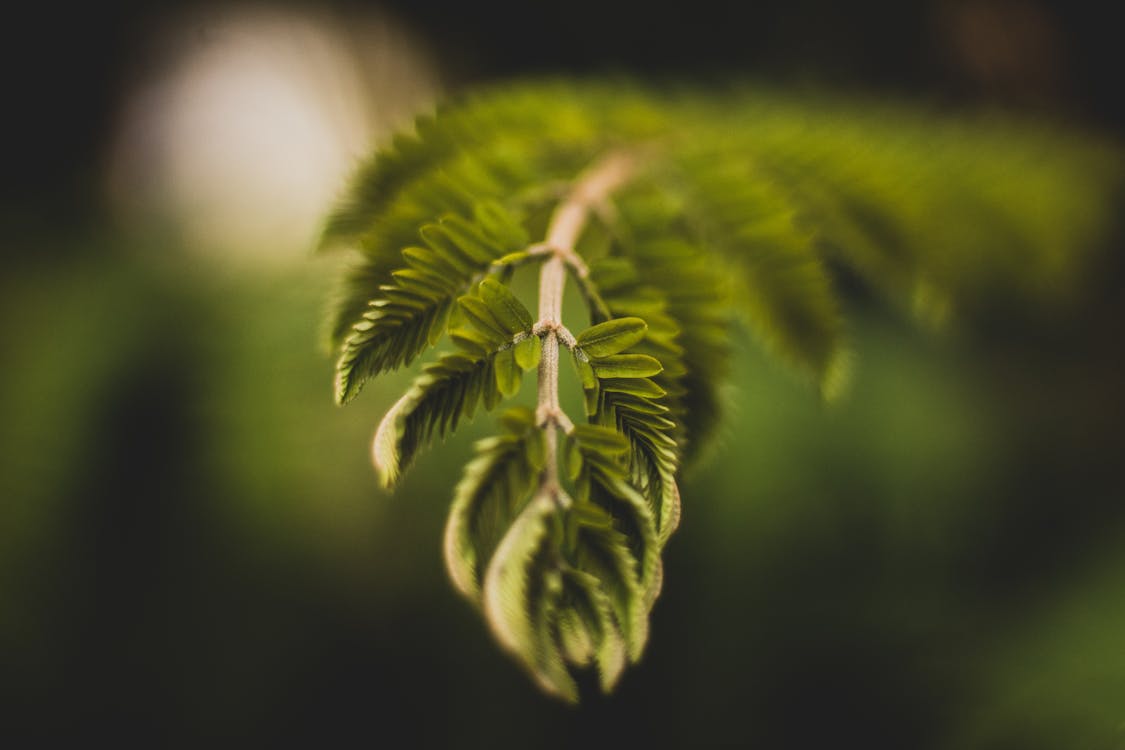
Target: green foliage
pixel 411 311
pixel 484 371
pixel 611 337
pixel 566 580
pixel 621 396
pixel 495 488
pixel 692 212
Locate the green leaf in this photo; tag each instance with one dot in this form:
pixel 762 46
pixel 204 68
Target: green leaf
pixel 788 297
pixel 498 223
pixel 642 387
pixel 393 331
pixel 599 439
pixel 480 316
pixel 611 337
pixel 508 375
pixel 591 397
pixel 437 239
pixel 555 598
pixel 750 206
pixel 517 258
pixel 353 296
pixel 521 596
pixel 585 372
pixel 527 352
pixel 626 366
pixel 572 458
pixel 446 392
pixel 633 517
pixel 601 480
pixel 603 552
pixel 506 309
pixel 469 240
pixel 691 334
pixel 591 613
pixel 495 486
pixel 653 454
pixel 389 314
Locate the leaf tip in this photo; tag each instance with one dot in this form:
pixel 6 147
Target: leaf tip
pixel 343 392
pixel 384 447
pixel 458 564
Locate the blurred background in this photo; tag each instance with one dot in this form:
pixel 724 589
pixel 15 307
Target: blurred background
pixel 193 548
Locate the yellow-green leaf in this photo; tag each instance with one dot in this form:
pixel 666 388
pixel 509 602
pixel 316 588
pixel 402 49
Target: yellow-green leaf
pixel 627 366
pixel 611 337
pixel 508 375
pixel 527 352
pixel 508 311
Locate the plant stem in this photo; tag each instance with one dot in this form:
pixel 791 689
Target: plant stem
pixel 591 189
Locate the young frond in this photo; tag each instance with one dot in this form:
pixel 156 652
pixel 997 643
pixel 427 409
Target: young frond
pixel 410 313
pixel 484 371
pixel 492 493
pixel 621 395
pixel 522 596
pixel 674 218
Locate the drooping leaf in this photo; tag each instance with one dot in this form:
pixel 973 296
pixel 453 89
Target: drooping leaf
pixel 496 485
pixel 445 393
pixel 603 552
pixel 521 596
pixel 587 629
pixel 591 607
pixel 601 474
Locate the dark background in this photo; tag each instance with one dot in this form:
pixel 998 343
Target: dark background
pixel 67 70
pixel 194 549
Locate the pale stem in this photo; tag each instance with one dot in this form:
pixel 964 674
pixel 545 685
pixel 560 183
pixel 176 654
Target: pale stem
pixel 590 192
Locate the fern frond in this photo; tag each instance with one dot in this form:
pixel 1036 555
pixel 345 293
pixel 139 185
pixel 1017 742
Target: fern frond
pixel 411 313
pixel 654 459
pixel 598 463
pixel 663 250
pixel 675 218
pixel 566 582
pixel 491 494
pixel 484 371
pixel 522 594
pixel 602 551
pixel 622 396
pixel 619 283
pixel 552 601
pixel 446 392
pixel 963 208
pixel 588 630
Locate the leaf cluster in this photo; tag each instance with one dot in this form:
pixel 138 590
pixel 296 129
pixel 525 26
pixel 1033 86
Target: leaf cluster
pixel 744 206
pixel 561 583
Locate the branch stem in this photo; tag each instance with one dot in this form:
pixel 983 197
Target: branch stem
pixel 590 191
